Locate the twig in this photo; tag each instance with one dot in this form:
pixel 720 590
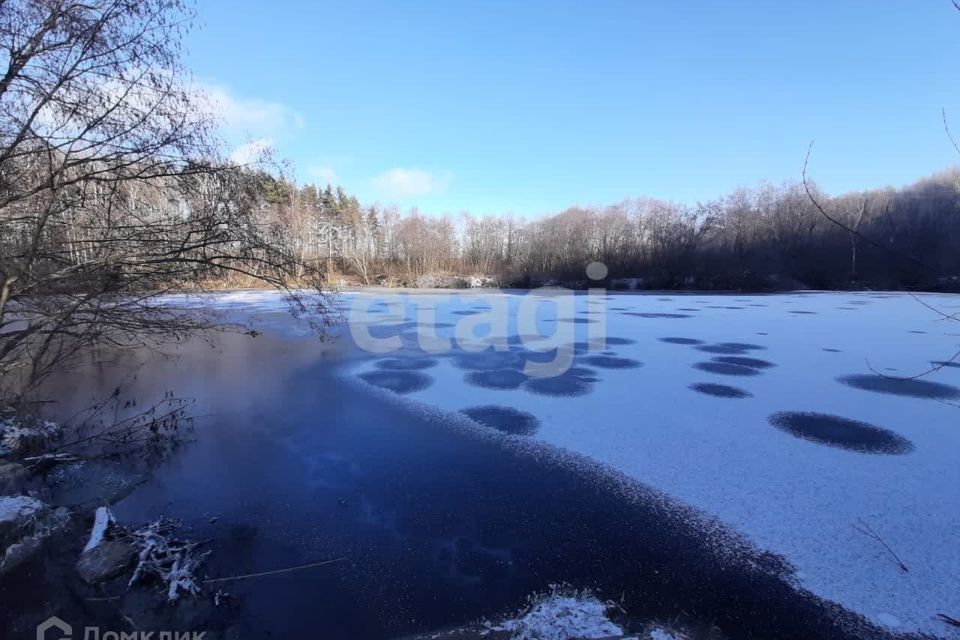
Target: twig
pixel 943 316
pixel 949 619
pixel 865 529
pixel 937 367
pixel 816 203
pixel 275 571
pixel 51 459
pixel 946 125
pixel 898 254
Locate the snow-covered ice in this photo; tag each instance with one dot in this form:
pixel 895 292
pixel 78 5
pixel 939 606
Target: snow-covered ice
pixel 682 401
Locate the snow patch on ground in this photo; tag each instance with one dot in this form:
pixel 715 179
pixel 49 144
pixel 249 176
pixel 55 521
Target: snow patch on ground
pixel 25 523
pixel 888 620
pixel 101 522
pixel 562 617
pixel 19 438
pixel 14 509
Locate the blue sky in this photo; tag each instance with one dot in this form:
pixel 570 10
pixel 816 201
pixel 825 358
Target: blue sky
pixel 530 107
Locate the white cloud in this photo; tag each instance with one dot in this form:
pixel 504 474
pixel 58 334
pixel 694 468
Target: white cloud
pixel 252 151
pixel 248 116
pixel 401 183
pixel 323 174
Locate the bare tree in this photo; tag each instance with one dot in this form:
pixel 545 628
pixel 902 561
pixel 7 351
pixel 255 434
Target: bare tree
pixel 112 186
pixel 861 209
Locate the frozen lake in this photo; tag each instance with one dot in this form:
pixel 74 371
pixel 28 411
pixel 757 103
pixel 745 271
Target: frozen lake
pixel 709 399
pixel 740 459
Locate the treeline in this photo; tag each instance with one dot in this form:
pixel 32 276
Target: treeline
pixel 114 187
pixel 769 237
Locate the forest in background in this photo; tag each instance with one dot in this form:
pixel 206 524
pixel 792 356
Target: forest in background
pixel 115 187
pixel 765 238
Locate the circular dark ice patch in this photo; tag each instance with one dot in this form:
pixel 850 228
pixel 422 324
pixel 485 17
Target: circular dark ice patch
pixel 681 340
pixel 532 341
pixel 753 363
pixel 390 330
pixel 831 350
pixel 583 373
pixel 506 419
pixel 466 312
pixel 805 313
pixel 746 346
pixel 581 348
pixel 575 381
pixel 547 355
pixel 899 387
pixel 729 348
pixel 577 320
pixel 840 432
pixel 488 360
pixel 496 379
pixel 406 364
pixel 637 314
pixel 724 369
pixel 611 362
pixel 398 381
pixel 720 390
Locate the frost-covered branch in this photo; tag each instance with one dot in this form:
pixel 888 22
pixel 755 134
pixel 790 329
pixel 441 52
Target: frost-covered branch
pixel 165 558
